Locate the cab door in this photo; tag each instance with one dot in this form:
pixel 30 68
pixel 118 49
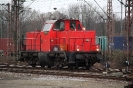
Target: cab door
pixel 45 42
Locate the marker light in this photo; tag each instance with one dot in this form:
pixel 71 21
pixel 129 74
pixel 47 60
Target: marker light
pixel 77 49
pixel 97 48
pixel 84 28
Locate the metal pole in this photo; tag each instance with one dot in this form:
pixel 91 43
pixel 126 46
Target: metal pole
pixel 128 25
pixel 1 21
pixel 1 24
pixel 15 27
pixel 8 28
pixel 82 13
pixel 121 18
pixel 18 28
pixel 85 15
pixel 8 31
pixel 109 25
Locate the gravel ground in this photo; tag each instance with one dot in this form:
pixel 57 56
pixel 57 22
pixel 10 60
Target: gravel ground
pixel 18 80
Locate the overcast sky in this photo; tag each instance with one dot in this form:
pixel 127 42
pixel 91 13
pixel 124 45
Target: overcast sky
pixel 48 5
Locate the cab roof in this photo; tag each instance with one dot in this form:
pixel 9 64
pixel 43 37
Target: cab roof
pixel 53 21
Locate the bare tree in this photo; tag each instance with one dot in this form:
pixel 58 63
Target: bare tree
pixel 3 21
pixel 74 11
pixel 32 20
pixel 89 18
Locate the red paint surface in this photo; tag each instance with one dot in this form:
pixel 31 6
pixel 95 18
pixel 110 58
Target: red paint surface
pixel 70 40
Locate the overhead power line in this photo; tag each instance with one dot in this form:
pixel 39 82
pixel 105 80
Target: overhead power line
pixel 29 4
pixel 122 3
pixel 100 7
pixel 3 18
pixel 95 10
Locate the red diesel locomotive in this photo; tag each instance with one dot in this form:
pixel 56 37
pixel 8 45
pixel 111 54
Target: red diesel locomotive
pixel 61 43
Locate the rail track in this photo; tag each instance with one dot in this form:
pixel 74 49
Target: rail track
pixel 92 73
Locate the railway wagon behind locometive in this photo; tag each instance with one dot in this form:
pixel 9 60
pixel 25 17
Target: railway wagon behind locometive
pixel 7 46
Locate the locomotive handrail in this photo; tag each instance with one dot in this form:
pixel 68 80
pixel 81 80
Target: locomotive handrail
pixel 32 42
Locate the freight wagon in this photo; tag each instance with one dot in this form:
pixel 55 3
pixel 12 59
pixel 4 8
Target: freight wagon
pixel 103 42
pixel 6 47
pixel 119 43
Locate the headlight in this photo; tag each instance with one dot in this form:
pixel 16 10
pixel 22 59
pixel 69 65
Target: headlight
pixel 97 49
pixel 77 49
pixel 55 48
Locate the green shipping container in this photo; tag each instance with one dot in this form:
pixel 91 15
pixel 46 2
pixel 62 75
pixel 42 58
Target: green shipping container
pixel 102 41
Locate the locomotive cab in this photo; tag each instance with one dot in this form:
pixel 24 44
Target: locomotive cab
pixel 62 25
pixel 67 25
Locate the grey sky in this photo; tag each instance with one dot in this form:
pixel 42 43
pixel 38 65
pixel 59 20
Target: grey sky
pixel 48 5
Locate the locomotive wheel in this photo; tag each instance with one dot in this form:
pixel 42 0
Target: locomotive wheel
pixel 87 67
pixel 44 59
pixel 76 67
pixel 70 66
pixel 49 66
pixel 77 64
pixel 33 65
pixel 42 65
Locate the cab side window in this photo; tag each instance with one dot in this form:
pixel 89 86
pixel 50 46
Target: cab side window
pixel 72 25
pixel 57 26
pixel 62 26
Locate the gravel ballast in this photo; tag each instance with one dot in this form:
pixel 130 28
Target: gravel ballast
pixel 20 80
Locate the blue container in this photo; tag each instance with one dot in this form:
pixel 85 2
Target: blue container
pixel 119 42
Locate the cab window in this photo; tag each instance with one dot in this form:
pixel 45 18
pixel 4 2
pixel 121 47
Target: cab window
pixel 57 25
pixel 47 27
pixel 60 26
pixel 72 25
